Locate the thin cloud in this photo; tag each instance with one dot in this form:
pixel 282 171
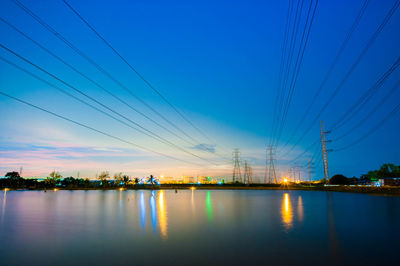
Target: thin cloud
pixel 204 147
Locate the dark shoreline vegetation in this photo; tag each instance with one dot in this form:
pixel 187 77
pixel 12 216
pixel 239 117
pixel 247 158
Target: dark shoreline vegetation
pixel 388 175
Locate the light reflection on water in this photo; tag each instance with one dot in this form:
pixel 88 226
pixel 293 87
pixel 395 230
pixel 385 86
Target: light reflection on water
pixel 162 214
pixel 205 227
pixel 287 215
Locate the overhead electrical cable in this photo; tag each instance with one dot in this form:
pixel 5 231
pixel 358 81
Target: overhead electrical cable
pixel 93 129
pixel 365 98
pixel 136 72
pixel 299 60
pixel 98 67
pixel 152 134
pixel 330 69
pixel 283 58
pixel 351 70
pixel 371 113
pixel 287 65
pixel 93 82
pixel 372 130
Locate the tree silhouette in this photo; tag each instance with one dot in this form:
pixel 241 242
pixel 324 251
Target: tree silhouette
pixel 103 177
pixel 126 179
pixel 12 175
pixel 53 179
pixel 117 179
pixel 151 180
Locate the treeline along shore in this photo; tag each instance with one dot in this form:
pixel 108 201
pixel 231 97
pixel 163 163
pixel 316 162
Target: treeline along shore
pixel 384 181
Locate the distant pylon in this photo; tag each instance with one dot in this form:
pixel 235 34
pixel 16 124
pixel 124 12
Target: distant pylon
pixel 271 170
pixel 324 152
pixel 20 171
pixel 266 167
pixel 248 173
pixel 298 173
pixel 236 176
pixel 309 169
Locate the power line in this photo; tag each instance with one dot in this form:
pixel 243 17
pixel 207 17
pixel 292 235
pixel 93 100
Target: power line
pixel 282 70
pixel 97 66
pixel 287 64
pixel 283 57
pixel 136 72
pixel 93 129
pixel 352 68
pixel 363 100
pixel 372 130
pixel 91 80
pixel 373 111
pixel 299 60
pixel 152 134
pixel 330 69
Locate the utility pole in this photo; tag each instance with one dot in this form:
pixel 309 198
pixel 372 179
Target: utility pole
pixel 324 151
pixel 309 169
pixel 271 170
pixel 236 176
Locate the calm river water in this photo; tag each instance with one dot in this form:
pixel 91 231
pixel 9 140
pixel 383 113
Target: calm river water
pixel 198 227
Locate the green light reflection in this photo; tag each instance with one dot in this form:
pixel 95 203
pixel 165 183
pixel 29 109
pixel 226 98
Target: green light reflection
pixel 209 207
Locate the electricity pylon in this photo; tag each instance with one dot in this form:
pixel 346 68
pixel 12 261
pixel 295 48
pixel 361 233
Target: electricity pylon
pixel 236 176
pixel 324 151
pixel 248 173
pixel 266 167
pixel 271 170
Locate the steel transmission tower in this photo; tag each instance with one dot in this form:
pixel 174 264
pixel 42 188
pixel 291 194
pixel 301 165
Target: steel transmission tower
pixel 266 167
pixel 271 170
pixel 236 176
pixel 324 151
pixel 248 173
pixel 298 170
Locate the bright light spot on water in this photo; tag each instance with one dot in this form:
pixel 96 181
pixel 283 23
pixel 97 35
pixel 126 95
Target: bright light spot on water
pixel 287 214
pixel 162 215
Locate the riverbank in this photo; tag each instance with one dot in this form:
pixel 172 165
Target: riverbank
pixel 393 191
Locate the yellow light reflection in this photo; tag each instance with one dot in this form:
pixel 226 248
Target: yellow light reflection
pixel 300 210
pixel 3 208
pixel 287 214
pixel 162 214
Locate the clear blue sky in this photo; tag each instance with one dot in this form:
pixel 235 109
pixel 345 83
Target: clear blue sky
pixel 217 61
